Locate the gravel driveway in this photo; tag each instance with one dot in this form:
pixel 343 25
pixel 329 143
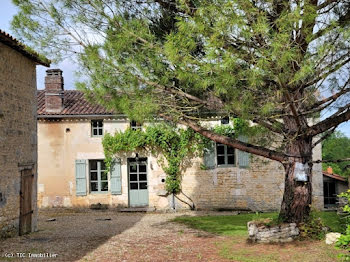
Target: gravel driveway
pixel 88 235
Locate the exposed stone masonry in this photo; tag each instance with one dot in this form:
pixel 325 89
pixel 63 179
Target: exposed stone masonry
pixel 18 137
pixel 275 234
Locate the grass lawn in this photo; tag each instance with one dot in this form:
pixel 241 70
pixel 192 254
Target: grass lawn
pixel 234 246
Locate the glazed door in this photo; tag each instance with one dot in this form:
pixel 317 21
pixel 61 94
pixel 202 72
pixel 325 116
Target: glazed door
pixel 138 185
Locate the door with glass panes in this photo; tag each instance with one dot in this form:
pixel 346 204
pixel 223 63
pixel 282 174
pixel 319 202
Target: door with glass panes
pixel 138 185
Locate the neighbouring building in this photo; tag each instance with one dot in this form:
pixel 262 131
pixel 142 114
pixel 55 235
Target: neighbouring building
pixel 71 167
pixel 18 137
pixel 333 185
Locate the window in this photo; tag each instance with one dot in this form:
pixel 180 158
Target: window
pixel 97 127
pixel 98 176
pixel 225 120
pixel 135 126
pixel 224 155
pixel 329 192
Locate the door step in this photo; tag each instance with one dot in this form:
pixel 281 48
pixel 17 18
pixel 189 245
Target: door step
pixel 137 209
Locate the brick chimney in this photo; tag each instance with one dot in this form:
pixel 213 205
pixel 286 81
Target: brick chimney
pixel 54 91
pixel 329 170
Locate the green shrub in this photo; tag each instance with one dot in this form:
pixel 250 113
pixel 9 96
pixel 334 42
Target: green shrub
pixel 312 229
pixel 344 240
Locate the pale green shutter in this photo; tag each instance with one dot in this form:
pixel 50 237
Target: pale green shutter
pixel 116 178
pixel 209 156
pixel 243 157
pixel 80 177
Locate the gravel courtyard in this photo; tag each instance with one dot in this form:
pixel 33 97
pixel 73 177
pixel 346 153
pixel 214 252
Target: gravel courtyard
pixel 89 235
pixel 96 235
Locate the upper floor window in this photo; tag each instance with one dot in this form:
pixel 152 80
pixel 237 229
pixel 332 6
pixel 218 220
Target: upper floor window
pixel 225 120
pixel 135 126
pixel 224 155
pixel 98 176
pixel 97 127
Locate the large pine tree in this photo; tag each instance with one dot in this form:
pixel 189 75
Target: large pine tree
pixel 276 63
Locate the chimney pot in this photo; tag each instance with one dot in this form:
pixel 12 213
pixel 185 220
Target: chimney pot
pixel 330 170
pixel 54 90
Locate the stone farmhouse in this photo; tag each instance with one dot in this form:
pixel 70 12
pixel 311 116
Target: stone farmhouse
pixel 18 137
pixel 71 167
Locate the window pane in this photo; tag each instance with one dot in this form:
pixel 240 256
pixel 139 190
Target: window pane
pixel 231 159
pixel 133 177
pixel 93 176
pixel 94 132
pixel 230 150
pixel 325 189
pixel 133 168
pixel 332 201
pixel 93 165
pixel 134 186
pixel 225 120
pixel 142 168
pixel 93 186
pixel 220 149
pixel 94 123
pixel 104 176
pixel 100 123
pixel 332 192
pixel 221 160
pixel 143 177
pixel 103 165
pixel 104 186
pixel 143 185
pixel 100 132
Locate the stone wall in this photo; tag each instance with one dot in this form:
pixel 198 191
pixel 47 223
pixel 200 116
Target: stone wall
pixel 257 188
pixel 272 234
pixel 18 137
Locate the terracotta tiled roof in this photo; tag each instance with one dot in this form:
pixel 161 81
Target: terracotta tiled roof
pixel 335 176
pixel 74 104
pixel 12 42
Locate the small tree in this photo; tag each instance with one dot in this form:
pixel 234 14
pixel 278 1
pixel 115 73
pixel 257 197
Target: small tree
pixel 266 61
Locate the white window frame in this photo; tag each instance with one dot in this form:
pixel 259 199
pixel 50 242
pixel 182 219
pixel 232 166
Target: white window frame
pixel 98 128
pixel 135 126
pixel 99 180
pixel 226 155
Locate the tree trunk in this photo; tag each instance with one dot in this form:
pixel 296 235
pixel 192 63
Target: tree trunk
pixel 296 203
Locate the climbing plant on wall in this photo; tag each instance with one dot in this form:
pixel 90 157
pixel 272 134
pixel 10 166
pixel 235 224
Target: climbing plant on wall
pixel 174 144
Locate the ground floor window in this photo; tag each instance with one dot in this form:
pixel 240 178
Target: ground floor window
pixel 329 192
pixel 98 176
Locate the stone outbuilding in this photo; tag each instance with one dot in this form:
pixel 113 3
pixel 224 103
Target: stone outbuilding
pixel 333 185
pixel 71 167
pixel 18 136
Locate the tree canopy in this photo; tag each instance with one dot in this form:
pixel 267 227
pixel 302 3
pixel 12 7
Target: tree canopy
pixel 276 63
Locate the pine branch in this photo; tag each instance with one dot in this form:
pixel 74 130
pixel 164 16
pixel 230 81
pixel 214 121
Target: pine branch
pixel 330 122
pixel 246 147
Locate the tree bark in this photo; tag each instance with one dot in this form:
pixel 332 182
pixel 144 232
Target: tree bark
pixel 296 203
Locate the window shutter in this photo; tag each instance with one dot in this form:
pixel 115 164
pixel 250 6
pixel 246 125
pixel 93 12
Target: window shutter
pixel 80 177
pixel 209 156
pixel 116 179
pixel 243 157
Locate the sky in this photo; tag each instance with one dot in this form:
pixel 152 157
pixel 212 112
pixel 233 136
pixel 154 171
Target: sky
pixel 7 10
